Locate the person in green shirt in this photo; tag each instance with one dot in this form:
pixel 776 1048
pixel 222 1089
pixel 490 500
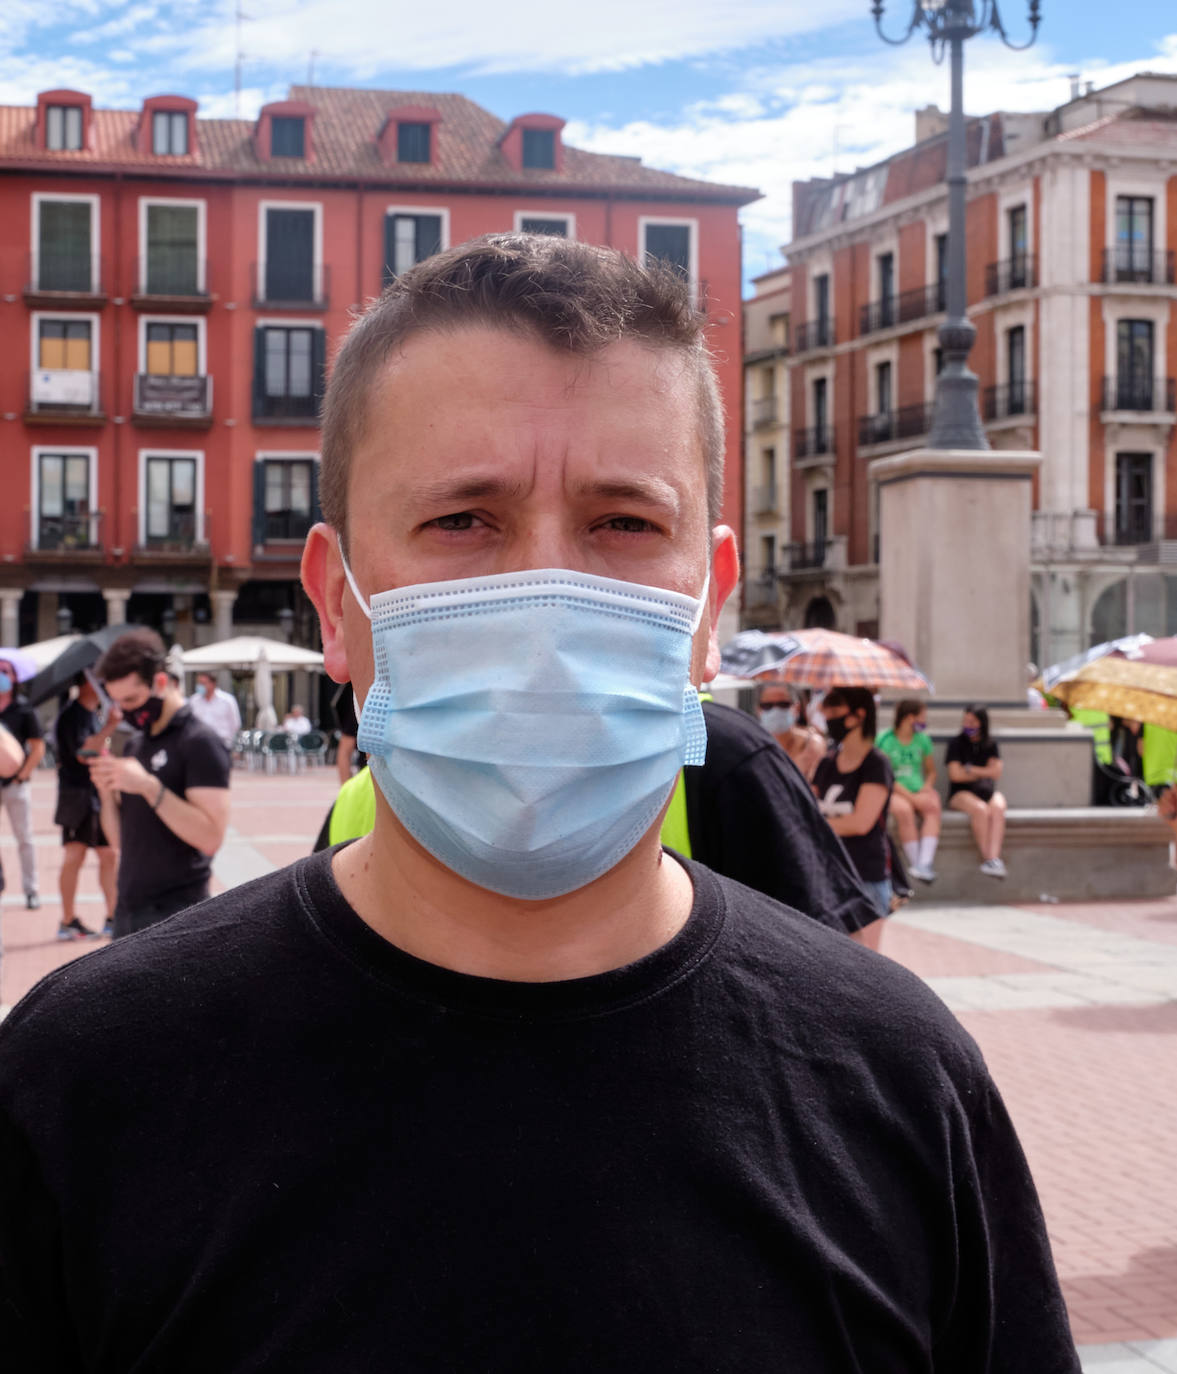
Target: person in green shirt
pixel 915 803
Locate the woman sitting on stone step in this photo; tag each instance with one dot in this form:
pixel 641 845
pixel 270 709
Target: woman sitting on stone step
pixel 974 770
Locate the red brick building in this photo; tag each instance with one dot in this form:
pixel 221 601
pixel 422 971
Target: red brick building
pixel 1071 237
pixel 172 288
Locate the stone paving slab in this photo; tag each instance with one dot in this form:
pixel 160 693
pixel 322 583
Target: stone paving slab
pixel 1131 1357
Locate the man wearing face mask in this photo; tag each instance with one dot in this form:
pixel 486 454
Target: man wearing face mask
pixel 503 1085
pixel 165 803
pixel 16 792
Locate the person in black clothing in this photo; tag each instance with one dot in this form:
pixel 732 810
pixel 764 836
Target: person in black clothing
pixel 16 792
pixel 165 803
pixel 853 787
pixel 78 810
pixel 974 765
pixel 368 1113
pixel 349 727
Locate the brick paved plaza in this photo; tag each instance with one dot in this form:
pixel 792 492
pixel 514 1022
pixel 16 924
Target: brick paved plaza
pixel 1074 1006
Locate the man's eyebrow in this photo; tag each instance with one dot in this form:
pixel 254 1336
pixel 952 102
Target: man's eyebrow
pixel 456 492
pixel 647 491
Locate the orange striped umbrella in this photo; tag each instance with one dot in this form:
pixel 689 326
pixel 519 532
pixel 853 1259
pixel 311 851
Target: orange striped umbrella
pixel 820 659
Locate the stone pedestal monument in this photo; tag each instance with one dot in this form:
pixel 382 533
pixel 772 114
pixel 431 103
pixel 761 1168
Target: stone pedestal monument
pixel 954 568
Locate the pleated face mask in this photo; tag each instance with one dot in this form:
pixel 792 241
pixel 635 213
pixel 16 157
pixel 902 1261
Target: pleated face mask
pixel 527 728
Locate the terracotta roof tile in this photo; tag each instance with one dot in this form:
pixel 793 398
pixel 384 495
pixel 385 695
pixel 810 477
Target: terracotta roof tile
pixel 347 124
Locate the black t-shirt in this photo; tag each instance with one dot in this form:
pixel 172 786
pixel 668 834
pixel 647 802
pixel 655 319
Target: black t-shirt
pixel 752 817
pixel 345 711
pixel 759 1148
pixel 962 749
pixel 837 793
pixel 73 726
pixel 20 720
pixel 154 860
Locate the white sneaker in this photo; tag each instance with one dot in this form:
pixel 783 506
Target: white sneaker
pixel 993 868
pixel 925 875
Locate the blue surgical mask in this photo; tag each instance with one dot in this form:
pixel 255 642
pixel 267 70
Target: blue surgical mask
pixel 777 719
pixel 527 728
pixel 5 683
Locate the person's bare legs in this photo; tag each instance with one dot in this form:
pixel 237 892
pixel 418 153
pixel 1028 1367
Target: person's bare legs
pixel 927 807
pixel 996 811
pixel 72 858
pixel 347 747
pixel 108 877
pixel 904 813
pixel 978 814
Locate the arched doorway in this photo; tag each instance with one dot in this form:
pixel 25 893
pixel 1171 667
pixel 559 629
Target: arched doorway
pixel 819 614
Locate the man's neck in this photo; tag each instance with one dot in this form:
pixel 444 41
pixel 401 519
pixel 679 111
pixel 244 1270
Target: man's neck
pixel 439 917
pixel 172 701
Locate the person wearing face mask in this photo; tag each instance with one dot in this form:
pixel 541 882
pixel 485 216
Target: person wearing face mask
pixel 165 803
pixel 915 803
pixel 16 791
pixel 853 788
pixel 974 770
pixel 504 1085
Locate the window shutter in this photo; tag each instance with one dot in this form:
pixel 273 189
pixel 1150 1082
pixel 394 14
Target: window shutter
pixel 259 503
pixel 428 236
pixel 318 366
pixel 259 372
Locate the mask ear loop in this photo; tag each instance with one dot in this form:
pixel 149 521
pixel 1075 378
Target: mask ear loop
pixel 698 617
pixel 351 582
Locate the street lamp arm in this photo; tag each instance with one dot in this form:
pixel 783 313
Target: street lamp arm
pixel 998 27
pixel 916 19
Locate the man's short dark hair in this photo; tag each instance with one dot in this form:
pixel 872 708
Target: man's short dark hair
pixel 575 297
pixel 139 651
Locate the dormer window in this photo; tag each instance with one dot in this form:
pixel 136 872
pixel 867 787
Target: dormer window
pixel 288 136
pixel 539 148
pixel 63 128
pixel 169 133
pixel 412 142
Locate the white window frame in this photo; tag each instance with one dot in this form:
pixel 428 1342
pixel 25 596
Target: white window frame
pixel 1116 308
pixel 66 106
pixel 566 215
pixel 1133 439
pixel 145 202
pixel 317 236
pixel 144 454
pixel 69 451
pixel 268 455
pixel 171 114
pixel 95 322
pixel 1142 184
pixel 681 222
pixel 95 204
pixel 441 210
pixel 1008 200
pixel 201 338
pixel 883 353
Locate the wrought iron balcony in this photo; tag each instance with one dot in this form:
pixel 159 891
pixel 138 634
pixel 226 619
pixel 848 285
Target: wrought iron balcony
pixel 908 422
pixel 174 275
pixel 1145 395
pixel 68 533
pixel 802 556
pixel 764 411
pixel 280 286
pixel 64 396
pixel 1127 262
pixel 64 274
pixel 813 334
pixel 299 408
pixel 285 524
pixel 1009 399
pixel 1011 274
pixel 161 399
pixel 901 309
pixel 812 442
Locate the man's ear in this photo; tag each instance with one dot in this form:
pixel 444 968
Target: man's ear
pixel 725 574
pixel 325 584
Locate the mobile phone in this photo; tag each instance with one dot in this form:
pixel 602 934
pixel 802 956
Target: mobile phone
pixel 88 754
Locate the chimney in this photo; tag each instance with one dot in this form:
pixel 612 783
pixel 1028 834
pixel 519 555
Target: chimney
pixel 1089 88
pixel 929 122
pixel 1075 87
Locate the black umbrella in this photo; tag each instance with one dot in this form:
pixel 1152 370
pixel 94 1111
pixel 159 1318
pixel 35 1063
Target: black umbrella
pixel 58 676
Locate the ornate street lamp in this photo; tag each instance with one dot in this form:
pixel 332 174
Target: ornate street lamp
pixel 949 24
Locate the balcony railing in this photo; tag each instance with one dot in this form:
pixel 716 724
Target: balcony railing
pixel 908 422
pixel 1128 263
pixel 68 533
pixel 1127 529
pixel 171 272
pixel 65 393
pixel 764 411
pixel 305 286
pixel 173 397
pixel 813 334
pixel 64 274
pixel 185 540
pixel 764 499
pixel 1010 399
pixel 286 407
pixel 285 524
pixel 812 442
pixel 1011 274
pixel 901 309
pixel 803 556
pixel 1146 395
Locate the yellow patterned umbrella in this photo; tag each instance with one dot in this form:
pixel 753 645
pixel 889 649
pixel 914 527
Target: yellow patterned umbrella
pixel 1123 687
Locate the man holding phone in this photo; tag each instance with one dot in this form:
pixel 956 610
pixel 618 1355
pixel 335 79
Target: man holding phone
pixel 16 793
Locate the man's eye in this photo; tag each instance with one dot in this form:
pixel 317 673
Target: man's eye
pixel 629 524
pixel 460 520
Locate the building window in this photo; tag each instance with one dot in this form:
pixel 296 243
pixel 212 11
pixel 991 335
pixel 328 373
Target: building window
pixel 1133 498
pixel 669 243
pixel 1019 248
pixel 412 143
pixel 768 459
pixel 768 554
pixel 409 239
pixel 883 389
pixel 1134 238
pixel 290 255
pixel 288 372
pixel 938 360
pixel 821 310
pixel 172 350
pixel 535 224
pixel 169 132
pixel 171 501
pixel 820 415
pixel 941 272
pixel 173 265
pixel 287 136
pixel 821 520
pixel 65 260
pixel 289 497
pixel 63 128
pixel 539 148
pixel 1134 365
pixel 1015 368
pixel 63 501
pixel 64 345
pixel 886 289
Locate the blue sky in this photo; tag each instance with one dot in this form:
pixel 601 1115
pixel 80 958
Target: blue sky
pixel 756 92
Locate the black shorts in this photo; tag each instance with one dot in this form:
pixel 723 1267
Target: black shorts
pixel 89 833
